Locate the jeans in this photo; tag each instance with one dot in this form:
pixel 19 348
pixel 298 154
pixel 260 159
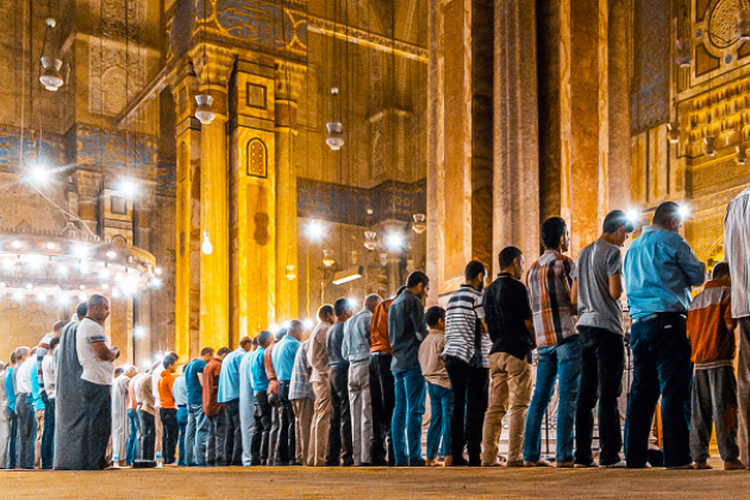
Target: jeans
pixel 469 386
pixel 262 433
pixel 340 446
pixel 182 419
pixel 602 364
pixel 406 424
pixel 283 443
pixel 661 366
pixel 169 434
pixel 10 462
pixel 146 436
pixel 382 397
pixel 438 435
pixel 216 437
pixel 25 432
pixel 233 435
pixel 561 362
pixel 196 435
pixel 98 401
pixel 48 436
pixel 132 439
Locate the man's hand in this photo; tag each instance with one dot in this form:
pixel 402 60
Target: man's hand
pixel 273 386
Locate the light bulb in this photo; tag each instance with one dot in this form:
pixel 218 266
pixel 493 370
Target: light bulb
pixel 315 230
pixel 394 241
pixel 308 324
pixel 206 247
pixel 203 112
pixel 128 188
pixel 684 211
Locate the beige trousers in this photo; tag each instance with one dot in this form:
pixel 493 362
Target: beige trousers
pixel 321 422
pixel 39 417
pixel 510 392
pixel 303 416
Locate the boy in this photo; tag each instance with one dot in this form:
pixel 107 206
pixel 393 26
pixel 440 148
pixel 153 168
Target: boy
pixel 710 329
pixel 438 386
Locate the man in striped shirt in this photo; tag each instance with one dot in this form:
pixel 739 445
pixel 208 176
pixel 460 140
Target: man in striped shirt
pixel 559 351
pixel 737 253
pixel 466 355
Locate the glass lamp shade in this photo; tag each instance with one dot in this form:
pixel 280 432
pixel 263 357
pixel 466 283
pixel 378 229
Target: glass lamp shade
pixel 673 133
pixel 684 56
pixel 741 156
pixel 204 113
pixel 291 272
pixel 419 226
pixel 743 25
pixel 51 77
pixel 335 138
pixel 206 247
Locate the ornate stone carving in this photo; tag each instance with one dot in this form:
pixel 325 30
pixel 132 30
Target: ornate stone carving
pixel 722 22
pixel 213 64
pixel 115 76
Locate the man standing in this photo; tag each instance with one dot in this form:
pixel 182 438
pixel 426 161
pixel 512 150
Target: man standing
pixel 259 378
pixel 179 392
pixel 144 396
pixel 301 396
pixel 737 253
pixel 119 414
pixel 45 444
pixel 340 434
pixel 97 359
pixel 213 409
pixel 24 408
pixel 407 329
pixel 196 434
pixel 247 404
pixel 559 352
pixel 660 270
pixel 167 410
pixel 318 356
pixel 282 427
pixel 229 395
pixel 49 367
pixel 466 355
pixel 597 288
pixel 355 349
pixel 509 321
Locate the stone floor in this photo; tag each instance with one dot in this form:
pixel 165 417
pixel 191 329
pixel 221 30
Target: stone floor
pixel 377 483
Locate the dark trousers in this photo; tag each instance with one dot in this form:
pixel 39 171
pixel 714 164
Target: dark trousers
pixel 262 429
pixel 383 400
pixel 169 433
pixel 216 439
pixel 282 441
pixel 11 446
pixel 25 432
pixel 661 367
pixel 146 436
pixel 98 401
pixel 182 418
pixel 133 438
pixel 469 386
pixel 340 448
pixel 602 364
pixel 714 404
pixel 233 435
pixel 48 437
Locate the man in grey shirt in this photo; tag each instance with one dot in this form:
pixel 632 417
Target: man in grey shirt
pixel 596 290
pixel 339 450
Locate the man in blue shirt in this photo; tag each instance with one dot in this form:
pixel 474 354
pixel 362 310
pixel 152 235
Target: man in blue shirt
pixel 660 270
pixel 247 404
pixel 283 441
pixel 229 394
pixel 259 378
pixel 196 435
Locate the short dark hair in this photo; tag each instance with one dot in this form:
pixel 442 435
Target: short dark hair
pixel 616 219
pixel 224 351
pixel 169 360
pixel 96 300
pixel 53 343
pixel 666 213
pixel 58 325
pixel 340 306
pixel 507 256
pixel 720 270
pixel 81 310
pixel 245 340
pixel 416 278
pixel 473 269
pixel 433 315
pixel 324 311
pixel 119 370
pixel 552 230
pixel 262 337
pixel 400 290
pixel 207 350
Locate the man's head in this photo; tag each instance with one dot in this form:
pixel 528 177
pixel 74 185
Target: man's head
pixel 435 318
pixel 57 328
pixel 170 362
pixel 130 371
pixel 223 353
pixel 264 338
pixel 555 234
pixel 720 273
pixel 418 283
pixel 119 371
pixel 295 329
pixel 372 301
pixel 343 309
pixel 325 314
pixel 617 227
pixel 668 216
pixel 511 261
pixel 282 333
pixel 475 273
pixel 81 310
pixel 98 308
pixel 207 353
pixel 52 344
pixel 246 343
pixel 22 353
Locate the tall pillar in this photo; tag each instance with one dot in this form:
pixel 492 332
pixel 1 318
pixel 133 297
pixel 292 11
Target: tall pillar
pixel 213 66
pixel 619 41
pixel 516 130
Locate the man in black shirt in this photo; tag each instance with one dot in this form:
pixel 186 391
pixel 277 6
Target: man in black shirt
pixel 509 321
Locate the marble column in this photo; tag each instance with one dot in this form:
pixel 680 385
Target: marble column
pixel 516 131
pixel 619 43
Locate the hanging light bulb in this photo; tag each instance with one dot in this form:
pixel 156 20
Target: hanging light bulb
pixel 741 156
pixel 206 247
pixel 51 77
pixel 204 112
pixel 370 239
pixel 743 25
pixel 291 272
pixel 419 226
pixel 683 54
pixel 335 138
pixel 328 260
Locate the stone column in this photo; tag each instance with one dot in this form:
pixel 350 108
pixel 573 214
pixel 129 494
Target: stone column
pixel 516 131
pixel 619 104
pixel 213 66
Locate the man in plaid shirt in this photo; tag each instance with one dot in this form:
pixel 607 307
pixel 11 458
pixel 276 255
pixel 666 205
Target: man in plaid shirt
pixel 559 351
pixel 302 398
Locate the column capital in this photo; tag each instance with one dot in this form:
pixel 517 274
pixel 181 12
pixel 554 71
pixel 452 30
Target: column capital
pixel 213 65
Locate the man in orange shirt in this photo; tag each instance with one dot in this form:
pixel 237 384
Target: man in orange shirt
pixel 168 411
pixel 214 410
